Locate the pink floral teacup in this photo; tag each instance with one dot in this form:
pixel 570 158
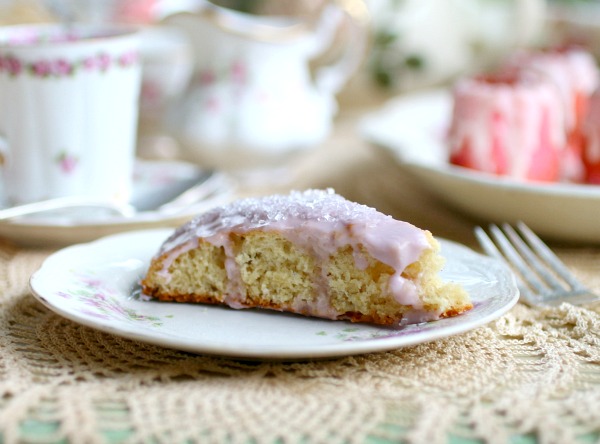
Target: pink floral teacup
pixel 68 111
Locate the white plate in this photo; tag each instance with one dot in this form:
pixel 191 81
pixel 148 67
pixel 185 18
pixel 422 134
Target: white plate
pixel 412 128
pixel 154 182
pixel 97 285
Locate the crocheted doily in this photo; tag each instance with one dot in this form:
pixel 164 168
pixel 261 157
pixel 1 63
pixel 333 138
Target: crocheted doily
pixel 532 373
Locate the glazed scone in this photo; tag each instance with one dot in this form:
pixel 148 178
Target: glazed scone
pixel 312 253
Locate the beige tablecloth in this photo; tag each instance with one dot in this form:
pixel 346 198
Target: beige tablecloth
pixel 533 375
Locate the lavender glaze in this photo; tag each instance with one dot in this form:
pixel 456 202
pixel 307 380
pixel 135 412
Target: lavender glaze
pixel 318 221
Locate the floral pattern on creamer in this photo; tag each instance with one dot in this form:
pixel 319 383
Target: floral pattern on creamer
pixel 96 299
pixel 67 162
pixel 58 68
pixel 236 75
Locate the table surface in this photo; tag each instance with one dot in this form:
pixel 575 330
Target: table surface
pixel 531 376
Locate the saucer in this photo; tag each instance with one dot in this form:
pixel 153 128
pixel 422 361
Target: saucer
pixel 154 182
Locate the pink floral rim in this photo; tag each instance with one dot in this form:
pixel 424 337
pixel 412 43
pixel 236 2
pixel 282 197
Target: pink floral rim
pixel 61 67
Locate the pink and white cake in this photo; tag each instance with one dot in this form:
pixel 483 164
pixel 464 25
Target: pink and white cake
pixel 312 253
pixel 509 123
pixel 575 73
pixel 591 154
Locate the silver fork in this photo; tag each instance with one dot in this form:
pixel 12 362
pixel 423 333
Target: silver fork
pixel 542 277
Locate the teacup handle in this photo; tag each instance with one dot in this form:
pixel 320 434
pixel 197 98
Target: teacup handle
pixel 349 47
pixel 3 150
pixel 4 159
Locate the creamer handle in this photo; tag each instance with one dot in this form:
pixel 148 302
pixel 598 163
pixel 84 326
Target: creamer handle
pixel 349 48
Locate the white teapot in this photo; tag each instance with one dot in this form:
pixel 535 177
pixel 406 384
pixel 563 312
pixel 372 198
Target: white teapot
pixel 255 96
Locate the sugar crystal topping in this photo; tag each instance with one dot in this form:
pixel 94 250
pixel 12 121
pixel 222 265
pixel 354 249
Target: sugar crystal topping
pixel 318 208
pixel 317 205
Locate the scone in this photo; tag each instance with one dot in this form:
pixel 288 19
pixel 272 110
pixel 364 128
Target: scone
pixel 312 253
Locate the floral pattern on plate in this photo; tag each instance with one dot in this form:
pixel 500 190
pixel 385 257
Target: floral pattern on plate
pixel 95 297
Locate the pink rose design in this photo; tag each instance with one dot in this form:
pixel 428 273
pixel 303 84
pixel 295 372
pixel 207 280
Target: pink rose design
pixel 239 72
pixel 41 68
pixel 25 38
pixel 92 282
pixel 89 63
pixel 100 296
pixel 61 38
pixel 62 294
pixel 13 65
pixel 150 93
pixel 128 59
pixel 62 68
pixel 103 61
pixel 207 78
pixel 67 162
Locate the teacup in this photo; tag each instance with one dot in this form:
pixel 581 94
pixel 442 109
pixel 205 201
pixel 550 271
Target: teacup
pixel 68 111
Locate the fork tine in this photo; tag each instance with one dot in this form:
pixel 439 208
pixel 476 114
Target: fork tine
pixel 517 261
pixel 548 255
pixel 487 244
pixel 542 278
pixel 541 268
pixel 490 248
